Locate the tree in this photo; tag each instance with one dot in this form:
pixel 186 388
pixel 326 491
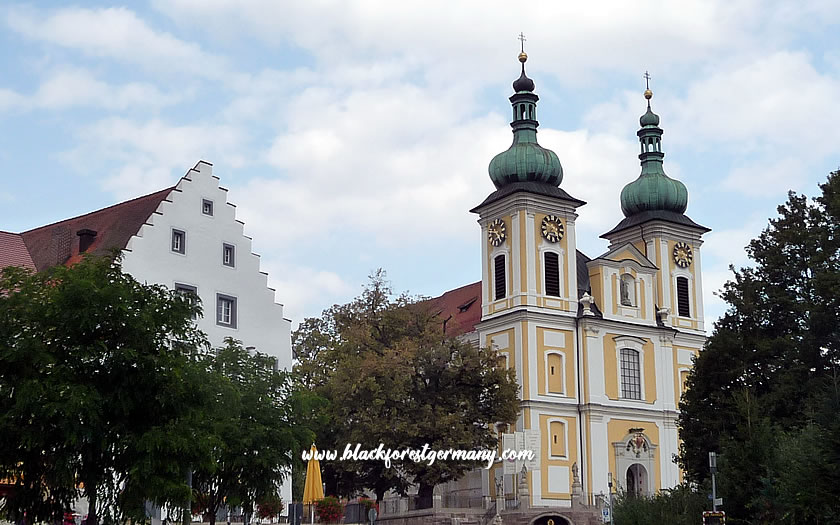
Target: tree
pixel 392 377
pixel 96 388
pixel 256 431
pixel 764 380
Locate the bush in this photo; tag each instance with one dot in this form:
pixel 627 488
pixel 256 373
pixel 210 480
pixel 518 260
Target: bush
pixel 329 509
pixel 678 506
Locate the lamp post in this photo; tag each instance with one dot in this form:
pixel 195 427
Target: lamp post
pixel 713 469
pixel 610 483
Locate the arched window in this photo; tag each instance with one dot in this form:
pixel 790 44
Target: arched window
pixel 552 274
pixel 499 277
pixel 631 376
pixel 682 297
pixel 628 290
pixel 557 435
pixel 555 373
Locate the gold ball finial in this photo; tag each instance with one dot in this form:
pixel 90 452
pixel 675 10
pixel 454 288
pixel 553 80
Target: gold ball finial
pixel 648 94
pixel 523 56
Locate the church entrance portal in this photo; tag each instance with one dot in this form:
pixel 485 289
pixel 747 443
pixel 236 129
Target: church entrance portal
pixel 550 520
pixel 637 481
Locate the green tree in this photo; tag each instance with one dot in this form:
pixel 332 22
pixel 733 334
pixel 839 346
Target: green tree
pixel 95 390
pixel 392 377
pixel 256 429
pixel 763 381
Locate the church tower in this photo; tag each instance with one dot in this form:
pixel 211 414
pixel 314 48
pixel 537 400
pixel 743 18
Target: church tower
pixel 529 296
pixel 655 223
pixel 600 347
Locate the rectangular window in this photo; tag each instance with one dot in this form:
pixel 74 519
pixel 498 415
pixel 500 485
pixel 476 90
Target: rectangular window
pixel 499 276
pixel 552 274
pixel 187 290
pixel 225 310
pixel 207 207
pixel 631 379
pixel 179 241
pixel 228 255
pixel 682 297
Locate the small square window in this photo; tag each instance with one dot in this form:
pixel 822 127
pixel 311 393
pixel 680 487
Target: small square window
pixel 207 207
pixel 229 255
pixel 179 241
pixel 189 291
pixel 226 310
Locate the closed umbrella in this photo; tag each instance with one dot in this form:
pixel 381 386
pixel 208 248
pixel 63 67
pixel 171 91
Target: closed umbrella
pixel 313 490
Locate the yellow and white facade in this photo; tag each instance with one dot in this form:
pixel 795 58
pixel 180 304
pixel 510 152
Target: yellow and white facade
pixel 600 347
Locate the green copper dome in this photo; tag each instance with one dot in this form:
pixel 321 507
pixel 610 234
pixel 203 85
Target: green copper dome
pixel 525 160
pixel 653 190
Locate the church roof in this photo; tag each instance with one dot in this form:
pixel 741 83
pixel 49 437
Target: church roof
pixel 13 251
pixel 460 308
pixel 654 215
pixel 56 243
pixel 539 188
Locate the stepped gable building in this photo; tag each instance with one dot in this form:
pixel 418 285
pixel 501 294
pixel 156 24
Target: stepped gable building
pixel 186 237
pixel 601 346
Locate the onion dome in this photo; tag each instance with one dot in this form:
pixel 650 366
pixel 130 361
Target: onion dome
pixel 653 190
pixel 525 160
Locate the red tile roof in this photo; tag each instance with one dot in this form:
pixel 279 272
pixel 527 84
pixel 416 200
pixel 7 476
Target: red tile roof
pixel 13 251
pixel 58 243
pixel 460 308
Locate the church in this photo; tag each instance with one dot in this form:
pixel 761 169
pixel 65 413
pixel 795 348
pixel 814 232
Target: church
pixel 601 346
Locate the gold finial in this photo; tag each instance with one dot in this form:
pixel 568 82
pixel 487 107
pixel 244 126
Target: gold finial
pixel 648 92
pixel 522 55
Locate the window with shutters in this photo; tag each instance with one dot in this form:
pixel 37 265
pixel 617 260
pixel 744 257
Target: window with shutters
pixel 552 274
pixel 499 277
pixel 683 309
pixel 631 377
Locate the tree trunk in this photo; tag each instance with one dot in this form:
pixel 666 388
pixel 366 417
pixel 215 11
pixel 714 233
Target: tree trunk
pixel 380 494
pixel 213 508
pixel 90 490
pixel 425 492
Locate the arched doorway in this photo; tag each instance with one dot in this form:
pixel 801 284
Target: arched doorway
pixel 550 519
pixel 637 480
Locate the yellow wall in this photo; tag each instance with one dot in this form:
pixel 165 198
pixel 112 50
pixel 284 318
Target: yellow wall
pixel 571 453
pixel 611 368
pixel 555 374
pixel 617 431
pixel 526 387
pixel 597 289
pixel 568 360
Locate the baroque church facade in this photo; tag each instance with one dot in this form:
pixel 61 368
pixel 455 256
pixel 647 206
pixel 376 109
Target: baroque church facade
pixel 601 346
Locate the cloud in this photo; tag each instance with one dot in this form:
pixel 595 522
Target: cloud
pixel 73 87
pixel 113 33
pixel 150 152
pixel 305 290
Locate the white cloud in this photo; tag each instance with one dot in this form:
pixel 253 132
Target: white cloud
pixel 150 152
pixel 73 87
pixel 114 33
pixel 304 289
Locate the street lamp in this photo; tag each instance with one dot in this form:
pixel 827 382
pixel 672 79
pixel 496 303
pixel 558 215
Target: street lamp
pixel 610 483
pixel 713 469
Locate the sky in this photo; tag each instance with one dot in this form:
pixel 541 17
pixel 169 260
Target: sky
pixel 356 135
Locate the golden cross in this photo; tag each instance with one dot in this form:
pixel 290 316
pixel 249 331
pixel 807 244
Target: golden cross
pixel 522 41
pixel 647 80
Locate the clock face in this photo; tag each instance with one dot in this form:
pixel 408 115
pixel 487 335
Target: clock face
pixel 552 228
pixel 682 254
pixel 496 232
